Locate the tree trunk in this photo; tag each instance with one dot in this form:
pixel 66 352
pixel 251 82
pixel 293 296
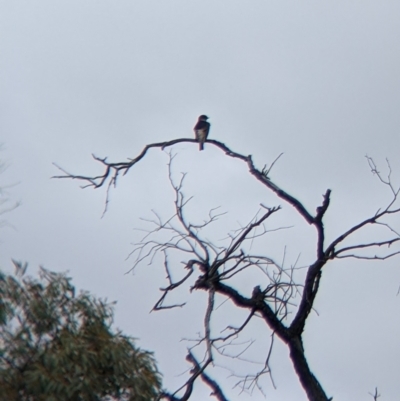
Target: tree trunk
pixel 309 382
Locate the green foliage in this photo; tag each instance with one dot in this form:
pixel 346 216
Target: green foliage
pixel 55 346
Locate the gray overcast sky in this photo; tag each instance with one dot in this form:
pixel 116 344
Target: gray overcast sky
pixel 317 80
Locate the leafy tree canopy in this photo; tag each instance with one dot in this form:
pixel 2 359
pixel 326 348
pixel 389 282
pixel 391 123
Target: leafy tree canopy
pixel 56 345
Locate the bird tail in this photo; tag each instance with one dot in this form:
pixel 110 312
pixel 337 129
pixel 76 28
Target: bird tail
pixel 201 145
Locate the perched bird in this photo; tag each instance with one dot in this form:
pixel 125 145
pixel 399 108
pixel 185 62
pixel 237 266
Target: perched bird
pixel 201 130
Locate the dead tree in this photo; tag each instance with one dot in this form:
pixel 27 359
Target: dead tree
pixel 215 267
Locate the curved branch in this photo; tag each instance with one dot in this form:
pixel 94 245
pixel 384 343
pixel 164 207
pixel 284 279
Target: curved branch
pixel 369 245
pixel 216 389
pixel 330 251
pixel 100 180
pixel 255 303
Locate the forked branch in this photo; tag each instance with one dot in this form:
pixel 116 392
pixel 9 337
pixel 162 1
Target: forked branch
pixel 217 266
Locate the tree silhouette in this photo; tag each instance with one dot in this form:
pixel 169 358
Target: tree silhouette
pixel 282 298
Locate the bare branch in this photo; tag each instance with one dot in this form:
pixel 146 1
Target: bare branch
pixel 387 181
pixel 375 395
pixel 266 170
pixel 369 245
pixel 197 371
pixel 236 330
pixel 375 257
pixel 330 250
pixel 250 382
pixel 207 322
pixel 274 297
pixel 159 305
pixel 248 229
pixel 113 169
pixel 216 389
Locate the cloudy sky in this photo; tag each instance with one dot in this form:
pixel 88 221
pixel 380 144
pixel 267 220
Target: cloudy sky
pixel 316 80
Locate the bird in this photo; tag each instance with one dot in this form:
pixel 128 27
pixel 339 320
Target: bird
pixel 201 130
